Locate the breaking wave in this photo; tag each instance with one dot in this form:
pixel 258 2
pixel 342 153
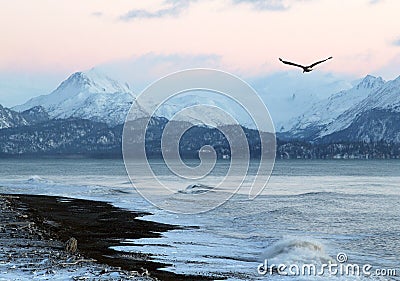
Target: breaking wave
pixel 297 251
pixel 38 179
pixel 196 189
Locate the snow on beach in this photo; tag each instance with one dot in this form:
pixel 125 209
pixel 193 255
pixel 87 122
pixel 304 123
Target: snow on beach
pixel 29 252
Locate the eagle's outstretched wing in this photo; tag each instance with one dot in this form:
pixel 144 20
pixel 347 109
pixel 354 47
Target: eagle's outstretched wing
pixel 291 63
pixel 318 62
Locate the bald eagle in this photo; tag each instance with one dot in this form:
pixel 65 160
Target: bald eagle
pixel 307 68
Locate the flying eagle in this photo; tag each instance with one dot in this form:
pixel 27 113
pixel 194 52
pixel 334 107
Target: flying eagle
pixel 306 68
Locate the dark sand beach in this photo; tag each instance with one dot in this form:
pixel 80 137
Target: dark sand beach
pixel 36 228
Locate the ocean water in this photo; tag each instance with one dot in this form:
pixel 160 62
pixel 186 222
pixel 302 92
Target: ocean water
pixel 309 213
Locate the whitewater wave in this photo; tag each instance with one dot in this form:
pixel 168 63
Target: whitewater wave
pixel 39 185
pixel 38 179
pixel 196 189
pixel 294 250
pixel 317 193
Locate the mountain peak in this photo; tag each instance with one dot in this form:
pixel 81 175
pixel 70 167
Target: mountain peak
pixel 370 82
pixel 86 95
pixel 92 81
pixel 77 78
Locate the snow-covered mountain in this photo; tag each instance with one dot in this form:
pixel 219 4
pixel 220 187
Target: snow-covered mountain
pixel 96 97
pixel 35 115
pixel 10 118
pixel 88 95
pixel 367 112
pixel 386 97
pixel 204 108
pixel 290 94
pixel 325 112
pixel 372 126
pixel 286 95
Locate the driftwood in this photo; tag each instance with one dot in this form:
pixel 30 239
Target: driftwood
pixel 76 262
pixel 129 274
pixel 9 196
pixel 19 223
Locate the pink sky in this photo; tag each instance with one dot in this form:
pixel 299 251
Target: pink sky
pixel 64 36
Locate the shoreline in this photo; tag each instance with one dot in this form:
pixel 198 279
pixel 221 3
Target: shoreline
pixel 45 223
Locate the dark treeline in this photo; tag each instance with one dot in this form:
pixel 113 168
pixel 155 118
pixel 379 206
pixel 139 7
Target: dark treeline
pixel 84 138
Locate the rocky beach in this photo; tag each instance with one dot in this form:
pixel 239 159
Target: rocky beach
pixel 36 233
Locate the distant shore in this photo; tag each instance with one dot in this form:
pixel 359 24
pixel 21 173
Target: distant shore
pixel 46 222
pixel 280 157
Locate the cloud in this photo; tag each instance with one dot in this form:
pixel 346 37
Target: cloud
pixel 273 5
pixel 375 1
pixel 97 14
pixel 390 70
pixel 174 8
pixel 140 71
pixel 396 42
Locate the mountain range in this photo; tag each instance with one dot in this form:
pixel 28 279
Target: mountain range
pixel 95 96
pixel 367 112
